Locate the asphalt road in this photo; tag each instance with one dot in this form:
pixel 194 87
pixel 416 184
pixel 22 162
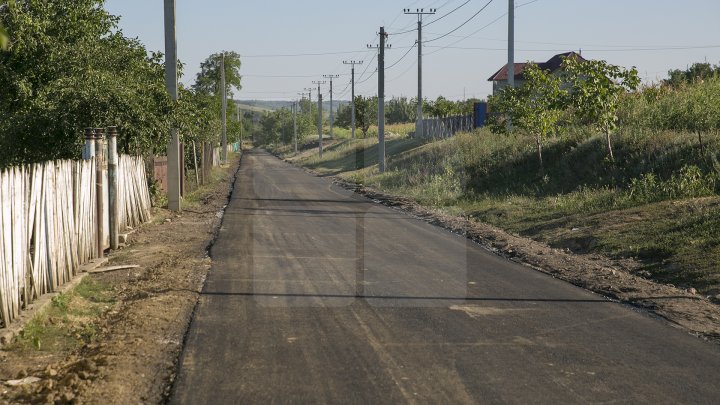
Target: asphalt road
pixel 318 295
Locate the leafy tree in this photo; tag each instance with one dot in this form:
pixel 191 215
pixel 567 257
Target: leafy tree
pixel 698 71
pixel 343 117
pixel 399 110
pixel 443 107
pixel 4 40
pixel 208 80
pixel 595 91
pixel 365 113
pixel 70 67
pixel 535 107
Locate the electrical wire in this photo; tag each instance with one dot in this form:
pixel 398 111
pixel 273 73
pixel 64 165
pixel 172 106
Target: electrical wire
pixel 412 65
pixel 667 48
pixel 289 55
pixel 282 76
pixel 403 57
pixel 483 27
pixel 367 78
pixel 447 14
pixel 463 24
pixel 367 67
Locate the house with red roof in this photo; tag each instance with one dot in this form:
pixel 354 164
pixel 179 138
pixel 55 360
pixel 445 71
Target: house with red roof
pixel 554 65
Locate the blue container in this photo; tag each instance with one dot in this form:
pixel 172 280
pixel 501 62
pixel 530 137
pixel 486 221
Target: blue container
pixel 480 114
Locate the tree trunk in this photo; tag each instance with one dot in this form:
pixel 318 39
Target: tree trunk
pixel 609 145
pixel 700 140
pixel 538 142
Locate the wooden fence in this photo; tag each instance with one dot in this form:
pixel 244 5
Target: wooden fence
pixel 204 156
pixel 49 224
pixel 445 127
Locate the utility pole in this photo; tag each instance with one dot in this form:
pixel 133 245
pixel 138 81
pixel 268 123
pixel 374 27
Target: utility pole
pixel 420 12
pixel 381 98
pixel 352 92
pixel 296 106
pixel 173 150
pixel 331 77
pixel 223 94
pixel 320 113
pixel 511 43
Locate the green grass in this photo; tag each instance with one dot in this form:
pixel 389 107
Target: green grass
pixel 70 321
pixel 194 195
pixel 658 203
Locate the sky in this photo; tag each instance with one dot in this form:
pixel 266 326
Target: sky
pixel 285 45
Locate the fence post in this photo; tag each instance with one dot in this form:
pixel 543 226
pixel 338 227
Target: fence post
pixel 99 190
pixel 113 188
pixel 89 149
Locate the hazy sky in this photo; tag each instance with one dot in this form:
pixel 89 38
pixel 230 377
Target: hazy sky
pixel 647 34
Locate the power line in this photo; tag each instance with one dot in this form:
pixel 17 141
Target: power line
pixel 404 72
pixel 281 76
pixel 403 57
pixel 463 24
pixel 367 78
pixel 288 55
pixel 485 26
pixel 447 14
pixel 668 48
pixel 367 66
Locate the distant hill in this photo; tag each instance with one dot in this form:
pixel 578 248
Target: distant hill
pixel 247 106
pixel 271 105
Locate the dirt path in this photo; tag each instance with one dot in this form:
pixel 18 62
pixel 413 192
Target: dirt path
pixel 133 358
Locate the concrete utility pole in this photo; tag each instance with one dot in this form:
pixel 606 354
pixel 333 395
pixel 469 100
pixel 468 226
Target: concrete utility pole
pixel 320 112
pixel 173 150
pixel 223 94
pixel 331 77
pixel 381 98
pixel 352 91
pixel 420 13
pixel 295 108
pixel 113 208
pixel 511 43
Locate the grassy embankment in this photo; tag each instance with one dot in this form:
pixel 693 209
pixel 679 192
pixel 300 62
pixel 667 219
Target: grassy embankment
pixel 658 203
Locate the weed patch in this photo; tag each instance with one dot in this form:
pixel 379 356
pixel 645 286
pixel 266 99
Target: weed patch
pixel 70 321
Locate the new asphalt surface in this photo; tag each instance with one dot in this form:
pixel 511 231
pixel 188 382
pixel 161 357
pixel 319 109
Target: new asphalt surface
pixel 318 295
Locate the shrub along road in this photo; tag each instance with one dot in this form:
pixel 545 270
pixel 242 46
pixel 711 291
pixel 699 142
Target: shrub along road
pixel 319 295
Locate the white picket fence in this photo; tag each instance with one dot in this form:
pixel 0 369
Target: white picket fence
pixel 48 224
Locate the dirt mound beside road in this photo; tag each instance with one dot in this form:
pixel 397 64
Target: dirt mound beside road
pixel 617 279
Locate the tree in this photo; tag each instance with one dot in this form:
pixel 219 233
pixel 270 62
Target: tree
pixel 535 107
pixel 400 111
pixel 365 113
pixel 4 40
pixel 698 71
pixel 70 67
pixel 208 80
pixel 595 91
